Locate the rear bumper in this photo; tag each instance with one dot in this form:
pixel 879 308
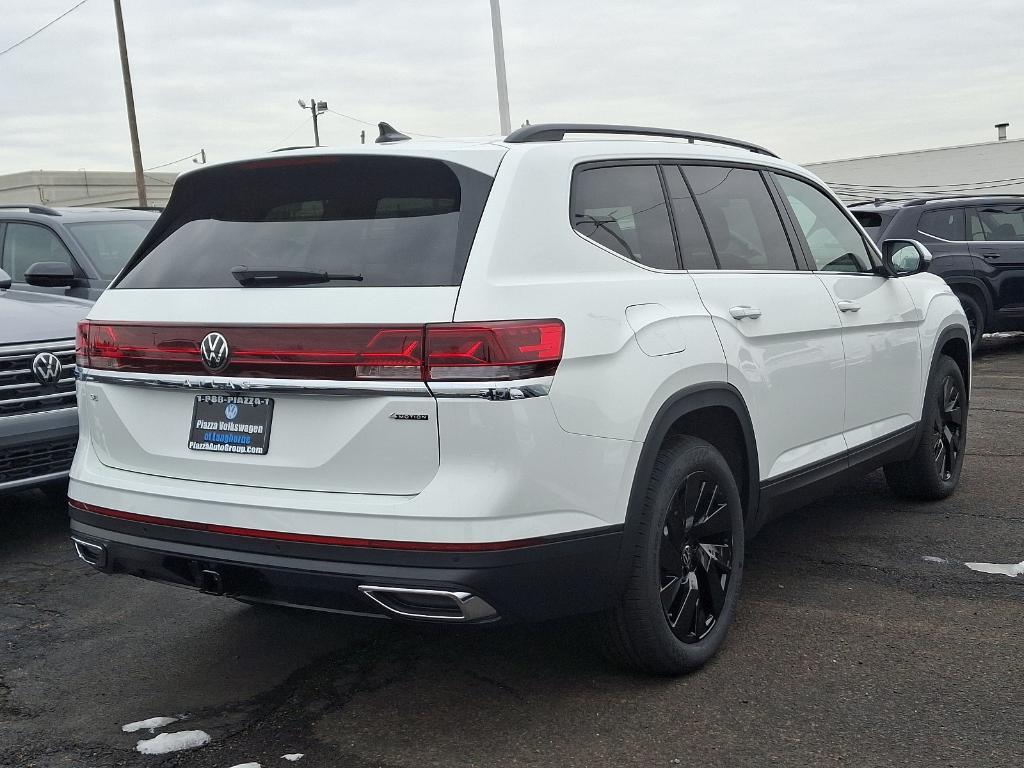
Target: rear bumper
pixel 560 576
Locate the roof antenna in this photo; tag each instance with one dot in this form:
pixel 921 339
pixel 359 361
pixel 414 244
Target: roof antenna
pixel 388 134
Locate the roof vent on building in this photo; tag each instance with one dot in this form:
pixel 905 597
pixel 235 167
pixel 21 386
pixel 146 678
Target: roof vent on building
pixel 1001 127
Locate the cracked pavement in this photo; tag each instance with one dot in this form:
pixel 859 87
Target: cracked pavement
pixel 848 648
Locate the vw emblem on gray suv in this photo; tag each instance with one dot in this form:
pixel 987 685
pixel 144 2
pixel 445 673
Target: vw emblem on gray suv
pixel 47 368
pixel 215 352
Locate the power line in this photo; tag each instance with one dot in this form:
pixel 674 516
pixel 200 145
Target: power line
pixel 159 180
pixel 277 144
pixel 45 26
pixel 374 125
pixel 179 160
pixel 349 117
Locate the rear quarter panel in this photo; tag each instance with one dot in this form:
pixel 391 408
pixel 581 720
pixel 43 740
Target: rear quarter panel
pixel 528 262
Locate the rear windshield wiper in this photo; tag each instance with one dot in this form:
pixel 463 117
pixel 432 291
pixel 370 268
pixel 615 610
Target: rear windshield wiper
pixel 257 276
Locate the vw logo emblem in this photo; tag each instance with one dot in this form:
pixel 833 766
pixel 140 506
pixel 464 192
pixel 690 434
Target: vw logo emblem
pixel 47 368
pixel 215 352
pixel 231 412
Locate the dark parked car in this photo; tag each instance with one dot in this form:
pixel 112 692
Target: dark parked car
pixel 977 244
pixel 70 251
pixel 38 416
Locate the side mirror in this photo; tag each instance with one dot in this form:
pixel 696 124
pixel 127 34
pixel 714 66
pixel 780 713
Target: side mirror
pixel 905 257
pixel 5 280
pixel 50 274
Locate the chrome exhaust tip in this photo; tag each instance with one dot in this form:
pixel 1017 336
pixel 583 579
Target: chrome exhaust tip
pixel 436 604
pixel 93 554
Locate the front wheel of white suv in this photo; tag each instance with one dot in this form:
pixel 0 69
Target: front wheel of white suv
pixel 686 565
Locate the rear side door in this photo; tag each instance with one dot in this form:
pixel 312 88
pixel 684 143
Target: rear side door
pixel 880 320
pixel 997 240
pixel 779 328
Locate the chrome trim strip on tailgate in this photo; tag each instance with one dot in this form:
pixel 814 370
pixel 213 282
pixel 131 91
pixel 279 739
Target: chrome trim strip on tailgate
pixel 258 386
pixel 485 390
pixel 492 390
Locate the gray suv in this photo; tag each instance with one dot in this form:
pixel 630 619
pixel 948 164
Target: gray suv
pixel 38 417
pixel 70 251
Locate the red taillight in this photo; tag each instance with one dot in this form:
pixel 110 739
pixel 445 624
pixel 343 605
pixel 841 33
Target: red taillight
pixel 82 343
pixel 493 351
pixel 454 351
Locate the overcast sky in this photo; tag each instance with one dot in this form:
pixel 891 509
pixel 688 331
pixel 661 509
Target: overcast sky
pixel 811 79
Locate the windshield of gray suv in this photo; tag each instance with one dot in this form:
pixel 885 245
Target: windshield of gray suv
pixel 109 244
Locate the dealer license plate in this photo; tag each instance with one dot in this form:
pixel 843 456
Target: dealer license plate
pixel 231 424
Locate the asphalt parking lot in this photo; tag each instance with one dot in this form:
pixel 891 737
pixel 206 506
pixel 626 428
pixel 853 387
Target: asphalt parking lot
pixel 850 648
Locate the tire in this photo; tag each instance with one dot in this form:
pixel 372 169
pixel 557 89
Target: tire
pixel 975 319
pixel 689 537
pixel 933 471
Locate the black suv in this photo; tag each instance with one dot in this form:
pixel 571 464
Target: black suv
pixel 70 251
pixel 977 244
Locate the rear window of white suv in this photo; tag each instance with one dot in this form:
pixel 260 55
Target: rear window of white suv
pixel 365 221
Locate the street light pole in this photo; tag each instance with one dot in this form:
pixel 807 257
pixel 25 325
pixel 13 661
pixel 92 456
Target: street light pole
pixel 133 128
pixel 499 68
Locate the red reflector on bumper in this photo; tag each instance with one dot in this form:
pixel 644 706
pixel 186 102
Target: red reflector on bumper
pixel 339 541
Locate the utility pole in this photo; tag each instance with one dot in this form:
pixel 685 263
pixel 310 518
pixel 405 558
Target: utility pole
pixel 317 108
pixel 316 128
pixel 133 128
pixel 499 69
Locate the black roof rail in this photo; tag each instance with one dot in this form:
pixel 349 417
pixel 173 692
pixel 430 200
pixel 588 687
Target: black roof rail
pixel 876 201
pixel 557 131
pixel 923 200
pixel 32 208
pixel 298 146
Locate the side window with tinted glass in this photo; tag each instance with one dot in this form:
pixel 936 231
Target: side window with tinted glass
pixel 693 238
pixel 836 245
pixel 741 218
pixel 943 224
pixel 623 209
pixel 999 223
pixel 26 244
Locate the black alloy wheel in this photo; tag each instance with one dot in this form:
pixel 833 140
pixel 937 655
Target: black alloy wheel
pixel 947 429
pixel 932 470
pixel 684 550
pixel 695 559
pixel 975 319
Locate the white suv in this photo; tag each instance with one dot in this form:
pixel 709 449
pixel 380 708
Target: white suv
pixel 482 380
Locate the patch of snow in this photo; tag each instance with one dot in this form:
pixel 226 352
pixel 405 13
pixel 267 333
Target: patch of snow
pixel 293 757
pixel 152 724
pixel 173 742
pixel 246 765
pixel 1009 569
pixel 932 559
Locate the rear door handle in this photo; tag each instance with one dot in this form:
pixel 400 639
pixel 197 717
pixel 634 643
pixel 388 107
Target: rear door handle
pixel 744 311
pixel 991 254
pixel 848 306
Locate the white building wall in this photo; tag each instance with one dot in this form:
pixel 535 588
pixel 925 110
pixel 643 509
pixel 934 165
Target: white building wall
pixel 995 167
pixel 89 188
